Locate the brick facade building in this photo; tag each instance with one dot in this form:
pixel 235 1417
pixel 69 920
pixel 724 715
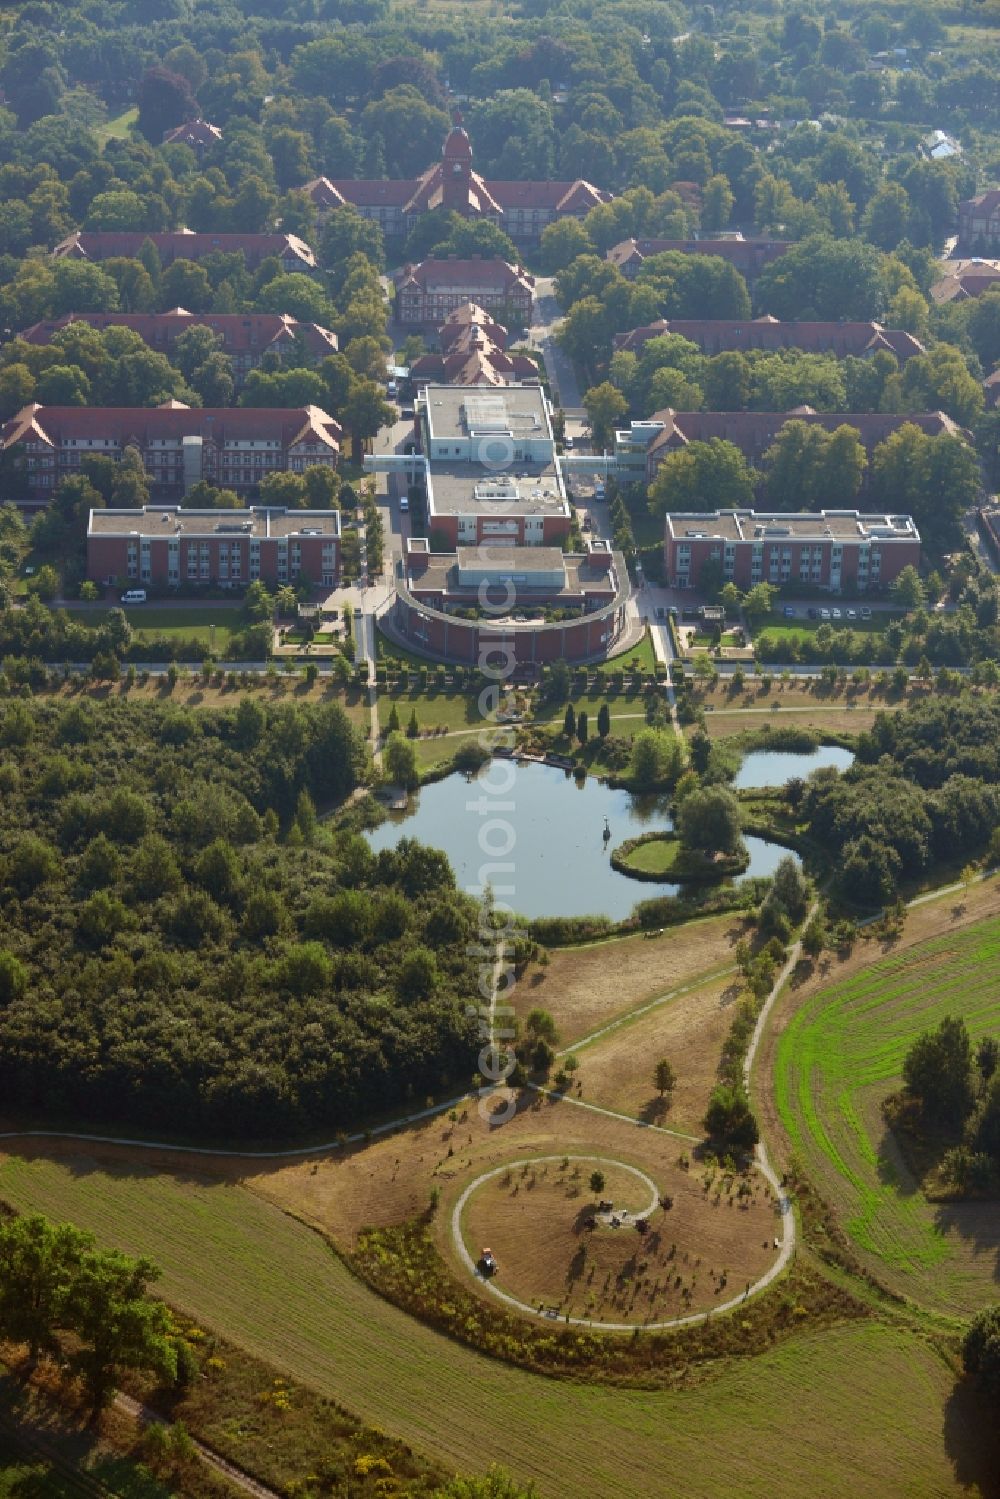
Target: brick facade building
pixel 753 432
pixel 184 244
pixel 521 209
pixel 748 256
pixel 232 447
pixel 979 223
pixel 767 334
pixel 491 470
pixel 246 337
pixel 473 351
pixel 841 551
pixel 164 546
pixel 520 586
pixel 427 293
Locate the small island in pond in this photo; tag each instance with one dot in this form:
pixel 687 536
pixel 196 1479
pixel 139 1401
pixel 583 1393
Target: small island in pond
pixel 706 843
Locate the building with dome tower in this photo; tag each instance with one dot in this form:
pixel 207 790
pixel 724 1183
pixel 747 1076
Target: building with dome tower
pixel 521 209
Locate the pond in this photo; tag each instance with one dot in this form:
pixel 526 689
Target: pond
pixel 550 828
pixel 775 767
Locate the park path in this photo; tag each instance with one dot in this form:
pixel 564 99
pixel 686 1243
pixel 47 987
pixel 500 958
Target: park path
pixel 146 1416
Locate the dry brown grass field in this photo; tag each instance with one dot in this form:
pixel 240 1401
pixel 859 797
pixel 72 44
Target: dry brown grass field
pixel 584 988
pixel 700 1252
pixel 616 1072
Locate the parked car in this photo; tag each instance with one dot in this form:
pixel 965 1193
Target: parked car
pixel 134 596
pixel 866 612
pixel 788 612
pixel 824 614
pixel 837 614
pixel 690 615
pixel 404 504
pixel 852 614
pixel 568 443
pixel 599 490
pixel 811 613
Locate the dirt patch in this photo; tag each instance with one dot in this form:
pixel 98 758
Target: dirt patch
pixel 585 987
pixel 539 1222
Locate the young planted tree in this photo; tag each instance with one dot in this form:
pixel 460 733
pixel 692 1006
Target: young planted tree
pixel 604 721
pixel 582 730
pixel 569 722
pixel 664 1077
pixel 597 1182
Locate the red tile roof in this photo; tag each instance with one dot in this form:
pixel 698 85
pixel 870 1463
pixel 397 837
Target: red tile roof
pixel 240 331
pixel 143 424
pixel 744 254
pixel 488 271
pixel 193 133
pixel 754 431
pixel 176 244
pixel 713 335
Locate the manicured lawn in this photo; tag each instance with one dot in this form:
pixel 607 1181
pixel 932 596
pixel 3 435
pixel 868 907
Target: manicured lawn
pixel 839 1057
pixel 457 710
pixel 621 705
pixel 800 627
pixel 212 626
pixel 656 857
pixel 117 128
pixel 867 1408
pixel 642 656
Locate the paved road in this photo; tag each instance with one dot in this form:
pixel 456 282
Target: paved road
pixel 541 336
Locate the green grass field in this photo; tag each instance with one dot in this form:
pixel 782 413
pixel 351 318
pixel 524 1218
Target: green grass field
pixel 867 1409
pixel 838 1058
pixel 118 127
pixel 656 857
pixel 211 626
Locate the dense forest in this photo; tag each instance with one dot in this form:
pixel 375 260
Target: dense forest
pixel 925 789
pixel 186 948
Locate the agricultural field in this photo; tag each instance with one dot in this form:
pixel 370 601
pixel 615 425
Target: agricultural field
pixel 838 1057
pixel 868 1408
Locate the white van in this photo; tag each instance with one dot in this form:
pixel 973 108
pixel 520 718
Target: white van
pixel 134 596
pixel 404 504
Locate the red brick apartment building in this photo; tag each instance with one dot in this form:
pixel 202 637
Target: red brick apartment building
pixel 521 209
pixel 428 292
pixel 436 588
pixel 246 336
pixel 164 546
pixel 232 447
pixel 748 256
pixel 979 223
pixel 753 432
pixel 473 351
pixel 184 244
pixel 837 550
pixel 492 475
pixel 768 335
